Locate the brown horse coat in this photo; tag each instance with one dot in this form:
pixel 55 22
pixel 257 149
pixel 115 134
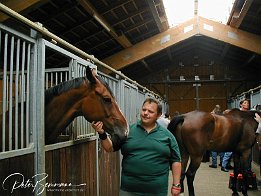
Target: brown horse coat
pixel 198 131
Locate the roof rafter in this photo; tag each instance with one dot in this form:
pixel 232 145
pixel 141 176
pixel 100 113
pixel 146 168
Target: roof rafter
pixel 122 39
pixel 194 27
pixel 18 6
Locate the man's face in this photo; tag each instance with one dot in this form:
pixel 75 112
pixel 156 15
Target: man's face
pixel 149 113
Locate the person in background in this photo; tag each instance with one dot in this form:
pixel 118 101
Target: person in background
pixel 258 131
pixel 243 106
pixel 216 110
pixel 148 153
pixel 164 120
pixel 258 119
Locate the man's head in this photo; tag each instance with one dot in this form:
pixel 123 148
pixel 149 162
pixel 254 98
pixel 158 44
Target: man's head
pixel 151 110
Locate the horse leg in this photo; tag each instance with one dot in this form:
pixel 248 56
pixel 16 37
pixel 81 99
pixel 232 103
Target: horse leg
pixel 245 166
pixel 191 172
pixel 184 158
pixel 236 159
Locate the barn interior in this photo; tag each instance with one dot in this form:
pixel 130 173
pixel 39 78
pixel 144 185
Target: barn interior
pixel 197 64
pixel 194 65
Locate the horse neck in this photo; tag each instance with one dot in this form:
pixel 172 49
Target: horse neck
pixel 62 109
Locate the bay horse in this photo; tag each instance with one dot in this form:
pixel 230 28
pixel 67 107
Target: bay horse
pixel 88 96
pixel 198 131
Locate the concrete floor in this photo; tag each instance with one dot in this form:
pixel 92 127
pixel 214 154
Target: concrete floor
pixel 214 182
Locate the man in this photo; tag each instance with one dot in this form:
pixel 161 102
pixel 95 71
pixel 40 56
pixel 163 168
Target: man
pixel 148 153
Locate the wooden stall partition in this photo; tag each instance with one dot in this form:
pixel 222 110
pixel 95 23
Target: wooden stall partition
pixel 186 97
pixel 109 173
pixel 17 175
pixel 76 165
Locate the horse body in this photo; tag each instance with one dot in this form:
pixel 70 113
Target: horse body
pixel 199 131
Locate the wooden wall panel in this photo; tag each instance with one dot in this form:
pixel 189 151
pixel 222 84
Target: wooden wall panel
pixel 109 168
pixel 182 97
pixel 75 164
pixel 24 165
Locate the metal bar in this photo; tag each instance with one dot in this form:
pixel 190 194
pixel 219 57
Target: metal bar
pixel 16 92
pixel 27 129
pixel 10 93
pixel 22 94
pixel 39 132
pixel 19 152
pixel 51 79
pixel 4 91
pixel 56 78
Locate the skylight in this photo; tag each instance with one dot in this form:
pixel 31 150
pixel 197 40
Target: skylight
pixel 179 11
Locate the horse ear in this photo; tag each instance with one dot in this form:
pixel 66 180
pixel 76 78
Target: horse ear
pixel 90 74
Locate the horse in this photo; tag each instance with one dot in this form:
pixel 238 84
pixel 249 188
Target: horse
pixel 199 131
pixel 88 96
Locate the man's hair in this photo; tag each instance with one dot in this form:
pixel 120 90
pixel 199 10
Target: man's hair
pixel 152 100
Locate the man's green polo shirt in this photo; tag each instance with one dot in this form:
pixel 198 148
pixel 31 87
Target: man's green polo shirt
pixel 147 158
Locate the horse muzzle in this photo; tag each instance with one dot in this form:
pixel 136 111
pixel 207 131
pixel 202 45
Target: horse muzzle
pixel 118 138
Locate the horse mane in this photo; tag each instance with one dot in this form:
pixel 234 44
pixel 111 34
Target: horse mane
pixel 70 84
pixel 105 84
pixel 61 88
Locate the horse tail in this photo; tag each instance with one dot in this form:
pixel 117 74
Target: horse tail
pixel 172 127
pixel 175 128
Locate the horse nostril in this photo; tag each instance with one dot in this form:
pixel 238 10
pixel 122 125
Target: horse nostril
pixel 126 133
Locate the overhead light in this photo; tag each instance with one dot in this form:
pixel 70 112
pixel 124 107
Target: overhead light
pixel 197 78
pixel 181 78
pixel 211 77
pixel 181 64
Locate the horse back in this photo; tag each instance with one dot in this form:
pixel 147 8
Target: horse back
pixel 192 129
pixel 227 133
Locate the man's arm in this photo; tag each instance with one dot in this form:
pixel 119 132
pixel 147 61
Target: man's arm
pixel 105 140
pixel 176 172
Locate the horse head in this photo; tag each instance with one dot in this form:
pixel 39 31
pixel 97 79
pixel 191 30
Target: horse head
pixel 100 105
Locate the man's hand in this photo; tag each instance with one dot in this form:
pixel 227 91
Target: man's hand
pixel 98 126
pixel 257 118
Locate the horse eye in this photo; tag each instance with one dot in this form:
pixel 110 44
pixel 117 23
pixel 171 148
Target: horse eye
pixel 107 99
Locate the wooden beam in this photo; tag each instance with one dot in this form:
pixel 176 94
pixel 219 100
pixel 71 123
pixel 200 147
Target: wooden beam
pixel 155 14
pixel 18 6
pixel 122 39
pixel 237 16
pixel 230 35
pixel 194 27
pixel 152 45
